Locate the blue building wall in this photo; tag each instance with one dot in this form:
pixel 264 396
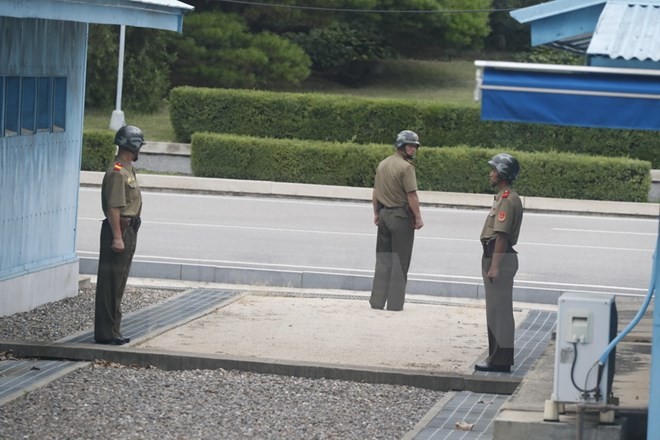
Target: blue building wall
pixel 39 168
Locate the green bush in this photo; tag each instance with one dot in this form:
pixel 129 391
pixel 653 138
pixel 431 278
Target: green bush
pixel 217 50
pixel 279 160
pixel 455 169
pixel 98 150
pixel 337 50
pixel 362 120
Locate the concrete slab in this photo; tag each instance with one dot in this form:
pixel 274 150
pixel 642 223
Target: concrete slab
pixel 525 425
pixel 334 330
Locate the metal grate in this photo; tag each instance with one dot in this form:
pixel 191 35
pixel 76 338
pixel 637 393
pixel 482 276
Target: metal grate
pixel 532 337
pixel 173 311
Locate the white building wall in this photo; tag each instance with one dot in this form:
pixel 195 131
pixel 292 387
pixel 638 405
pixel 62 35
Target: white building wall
pixel 39 172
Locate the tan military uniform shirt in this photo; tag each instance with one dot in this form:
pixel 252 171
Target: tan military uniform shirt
pixel 505 216
pixel 120 189
pixel 395 178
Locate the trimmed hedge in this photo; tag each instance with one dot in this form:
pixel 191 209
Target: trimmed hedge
pixel 98 150
pixel 455 169
pixel 343 119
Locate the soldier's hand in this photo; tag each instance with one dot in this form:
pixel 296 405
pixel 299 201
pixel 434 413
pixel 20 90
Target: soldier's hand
pixel 493 273
pixel 118 245
pixel 419 223
pixel 376 219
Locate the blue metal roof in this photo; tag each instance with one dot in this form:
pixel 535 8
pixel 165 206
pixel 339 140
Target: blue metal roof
pixel 602 29
pixel 156 14
pixel 551 9
pixel 629 31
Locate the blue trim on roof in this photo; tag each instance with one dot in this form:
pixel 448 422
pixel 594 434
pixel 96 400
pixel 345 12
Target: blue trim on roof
pixel 619 29
pixel 579 23
pixel 572 98
pixel 165 15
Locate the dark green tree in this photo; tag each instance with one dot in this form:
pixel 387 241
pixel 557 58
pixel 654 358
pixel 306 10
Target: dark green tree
pixel 507 34
pixel 217 50
pixel 146 68
pixel 343 37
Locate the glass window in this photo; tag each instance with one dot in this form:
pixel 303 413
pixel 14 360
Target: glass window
pixel 44 104
pixel 59 104
pixel 2 104
pixel 28 104
pixel 12 100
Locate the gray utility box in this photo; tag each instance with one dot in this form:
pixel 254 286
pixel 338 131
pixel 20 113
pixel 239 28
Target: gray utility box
pixel 586 323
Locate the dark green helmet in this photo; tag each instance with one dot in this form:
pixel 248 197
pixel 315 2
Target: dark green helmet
pixel 130 138
pixel 406 137
pixel 507 166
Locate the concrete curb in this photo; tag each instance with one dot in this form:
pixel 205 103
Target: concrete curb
pixel 313 280
pixel 189 361
pixel 155 182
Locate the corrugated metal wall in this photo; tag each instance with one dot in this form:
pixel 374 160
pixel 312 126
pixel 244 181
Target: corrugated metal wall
pixel 39 173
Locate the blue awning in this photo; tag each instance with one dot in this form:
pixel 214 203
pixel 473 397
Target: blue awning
pixel 569 95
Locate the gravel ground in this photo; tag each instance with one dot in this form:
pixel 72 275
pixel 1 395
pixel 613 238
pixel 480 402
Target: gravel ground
pixel 56 320
pixel 104 400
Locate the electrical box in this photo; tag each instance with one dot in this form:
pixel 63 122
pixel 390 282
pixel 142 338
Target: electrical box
pixel 586 323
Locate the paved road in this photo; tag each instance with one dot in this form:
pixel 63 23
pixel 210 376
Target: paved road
pixel 574 252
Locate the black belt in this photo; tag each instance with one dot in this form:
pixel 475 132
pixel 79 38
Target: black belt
pixel 128 221
pixel 125 222
pixel 489 247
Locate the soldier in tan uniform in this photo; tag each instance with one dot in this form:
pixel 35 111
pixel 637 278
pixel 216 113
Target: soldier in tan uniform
pixel 397 215
pixel 121 201
pixel 499 263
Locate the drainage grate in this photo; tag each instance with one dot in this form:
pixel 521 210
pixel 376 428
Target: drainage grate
pixel 19 376
pixel 173 311
pixel 532 337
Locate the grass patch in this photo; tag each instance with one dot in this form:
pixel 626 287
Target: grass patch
pixel 450 82
pixel 156 126
pixel 447 81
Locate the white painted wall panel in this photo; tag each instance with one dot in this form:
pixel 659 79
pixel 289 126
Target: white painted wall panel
pixel 40 172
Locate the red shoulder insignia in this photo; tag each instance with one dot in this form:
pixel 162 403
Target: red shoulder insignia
pixel 118 166
pixel 506 194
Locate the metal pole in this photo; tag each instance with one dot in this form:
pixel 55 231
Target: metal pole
pixel 579 423
pixel 117 121
pixel 653 425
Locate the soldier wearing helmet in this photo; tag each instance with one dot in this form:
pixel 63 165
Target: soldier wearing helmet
pixel 121 202
pixel 397 215
pixel 499 263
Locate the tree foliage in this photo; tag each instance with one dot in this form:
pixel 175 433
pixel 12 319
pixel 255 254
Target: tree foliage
pixel 146 68
pixel 343 36
pixel 340 44
pixel 507 34
pixel 217 50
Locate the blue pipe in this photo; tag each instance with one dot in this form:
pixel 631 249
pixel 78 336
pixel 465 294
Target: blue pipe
pixel 653 423
pixel 603 359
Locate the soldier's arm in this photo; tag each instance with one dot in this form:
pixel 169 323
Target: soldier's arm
pixel 117 239
pixel 501 241
pixel 413 203
pixel 374 202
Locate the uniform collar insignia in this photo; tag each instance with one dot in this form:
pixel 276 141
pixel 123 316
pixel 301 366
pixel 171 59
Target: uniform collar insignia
pixel 505 194
pixel 118 166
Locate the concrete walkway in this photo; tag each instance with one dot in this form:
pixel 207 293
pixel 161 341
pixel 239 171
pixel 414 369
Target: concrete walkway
pixel 307 339
pixel 433 344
